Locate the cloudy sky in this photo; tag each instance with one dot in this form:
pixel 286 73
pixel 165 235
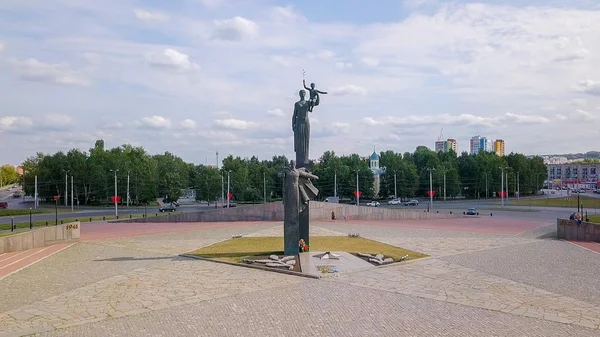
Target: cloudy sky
pixel 198 76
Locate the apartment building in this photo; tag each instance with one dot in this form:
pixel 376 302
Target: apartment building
pixel 572 174
pixel 445 145
pixel 499 147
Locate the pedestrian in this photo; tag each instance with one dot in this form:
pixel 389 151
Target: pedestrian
pixel 578 219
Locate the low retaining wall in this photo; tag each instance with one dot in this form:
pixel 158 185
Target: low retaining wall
pixel 568 230
pixel 274 212
pixel 40 237
pixel 322 211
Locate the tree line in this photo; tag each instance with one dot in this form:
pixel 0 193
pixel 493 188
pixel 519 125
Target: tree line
pixel 8 175
pixel 252 180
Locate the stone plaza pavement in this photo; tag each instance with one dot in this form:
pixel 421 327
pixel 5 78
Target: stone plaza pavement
pixel 482 279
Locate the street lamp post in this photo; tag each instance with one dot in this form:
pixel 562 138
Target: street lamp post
pixel 395 186
pixel 264 188
pixel 71 193
pixel 357 191
pixel 116 207
pixel 335 183
pixel 66 187
pixel 431 187
pixel 128 188
pixel 228 180
pixel 502 184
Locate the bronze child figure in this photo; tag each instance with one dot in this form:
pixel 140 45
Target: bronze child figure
pixel 313 95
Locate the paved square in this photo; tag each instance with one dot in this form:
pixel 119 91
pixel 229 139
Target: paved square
pixel 484 278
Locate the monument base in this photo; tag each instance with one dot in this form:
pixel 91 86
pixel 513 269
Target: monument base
pixel 304 225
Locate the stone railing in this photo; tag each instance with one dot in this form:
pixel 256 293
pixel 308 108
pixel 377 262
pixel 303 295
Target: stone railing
pixel 274 212
pixel 40 237
pixel 568 230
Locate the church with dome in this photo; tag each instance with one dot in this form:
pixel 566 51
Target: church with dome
pixel 377 172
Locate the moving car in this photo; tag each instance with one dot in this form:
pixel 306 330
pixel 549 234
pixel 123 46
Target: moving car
pixel 373 204
pixel 394 202
pixel 168 208
pixel 413 202
pixel 471 211
pixel 231 204
pixel 3 204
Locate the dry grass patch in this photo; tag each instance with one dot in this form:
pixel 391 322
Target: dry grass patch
pixel 234 250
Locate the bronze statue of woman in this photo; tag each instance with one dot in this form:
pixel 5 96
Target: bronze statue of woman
pixel 301 128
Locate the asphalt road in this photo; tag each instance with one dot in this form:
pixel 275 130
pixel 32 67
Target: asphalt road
pixel 82 214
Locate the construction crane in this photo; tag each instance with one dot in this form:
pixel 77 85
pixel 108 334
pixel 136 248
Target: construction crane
pixel 441 137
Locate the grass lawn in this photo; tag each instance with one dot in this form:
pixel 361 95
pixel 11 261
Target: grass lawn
pixel 594 218
pixel 6 227
pixel 15 212
pixel 234 250
pixel 588 202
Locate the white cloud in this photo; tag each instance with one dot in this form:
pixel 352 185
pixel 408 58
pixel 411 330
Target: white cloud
pixel 369 61
pixel 188 124
pixel 57 121
pixel 349 90
pixel 589 87
pixel 324 55
pixel 235 124
pixel 341 127
pixel 235 29
pixel 275 113
pixel 150 16
pixel 154 122
pixel 37 71
pixel 461 119
pixel 171 58
pixel 1 47
pixel 343 65
pixel 14 122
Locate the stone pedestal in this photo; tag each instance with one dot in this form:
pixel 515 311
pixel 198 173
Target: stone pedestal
pixel 304 223
pixel 291 234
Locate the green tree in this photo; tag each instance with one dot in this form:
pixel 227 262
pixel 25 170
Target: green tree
pixel 8 175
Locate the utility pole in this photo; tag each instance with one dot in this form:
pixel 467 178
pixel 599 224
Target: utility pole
pixel 444 185
pixel 35 194
pixel 506 186
pixel 66 188
pixel 228 180
pixel 430 187
pixel 71 193
pixel 486 185
pixel 502 185
pixel 357 190
pixel 116 207
pixel 264 189
pixel 222 189
pixel 395 186
pixel 518 187
pixel 335 183
pixel 128 189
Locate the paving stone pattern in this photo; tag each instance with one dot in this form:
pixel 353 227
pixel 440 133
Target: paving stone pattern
pixel 138 287
pixel 316 308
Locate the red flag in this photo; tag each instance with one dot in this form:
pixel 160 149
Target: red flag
pixel 431 193
pixel 56 197
pixel 115 199
pixel 357 194
pixel 229 196
pixel 502 194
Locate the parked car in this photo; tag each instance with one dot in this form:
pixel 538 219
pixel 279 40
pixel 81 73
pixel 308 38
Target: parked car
pixel 168 208
pixel 413 202
pixel 471 211
pixel 373 204
pixel 394 202
pixel 3 204
pixel 231 204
